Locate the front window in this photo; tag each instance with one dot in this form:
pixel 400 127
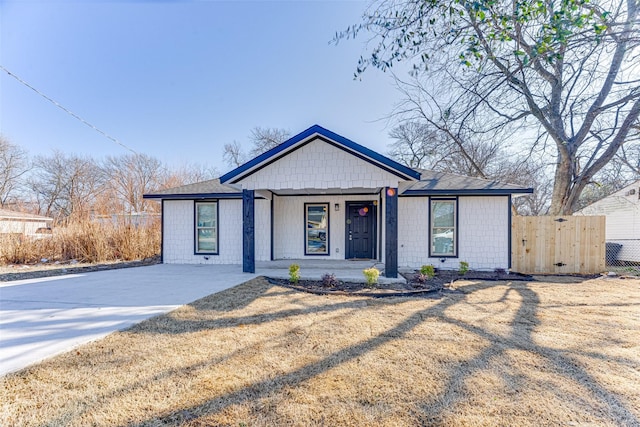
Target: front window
pixel 316 229
pixel 443 228
pixel 207 228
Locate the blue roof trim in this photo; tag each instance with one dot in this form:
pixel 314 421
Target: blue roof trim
pixel 194 196
pixel 469 192
pixel 240 170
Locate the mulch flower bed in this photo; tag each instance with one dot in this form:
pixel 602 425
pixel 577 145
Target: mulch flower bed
pixel 441 283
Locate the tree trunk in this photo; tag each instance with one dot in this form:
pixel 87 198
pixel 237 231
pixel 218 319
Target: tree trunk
pixel 560 200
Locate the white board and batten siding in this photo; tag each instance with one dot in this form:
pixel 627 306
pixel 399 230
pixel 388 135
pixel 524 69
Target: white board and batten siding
pixel 483 233
pixel 319 165
pixel 179 232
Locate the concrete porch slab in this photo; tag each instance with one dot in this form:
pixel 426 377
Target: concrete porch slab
pixel 311 269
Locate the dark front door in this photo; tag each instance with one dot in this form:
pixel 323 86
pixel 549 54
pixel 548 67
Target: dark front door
pixel 360 230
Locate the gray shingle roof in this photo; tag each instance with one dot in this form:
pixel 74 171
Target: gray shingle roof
pixel 443 183
pixel 431 183
pixel 210 188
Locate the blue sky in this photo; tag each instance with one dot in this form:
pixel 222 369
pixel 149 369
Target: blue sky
pixel 179 79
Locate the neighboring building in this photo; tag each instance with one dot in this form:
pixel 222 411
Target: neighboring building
pixel 135 219
pixel 12 222
pixel 319 195
pixel 622 212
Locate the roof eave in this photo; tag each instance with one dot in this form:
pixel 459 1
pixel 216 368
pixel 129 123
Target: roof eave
pixel 468 192
pixel 25 218
pixel 194 196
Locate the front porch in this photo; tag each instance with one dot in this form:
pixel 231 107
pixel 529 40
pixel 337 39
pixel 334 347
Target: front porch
pixel 322 228
pixel 314 269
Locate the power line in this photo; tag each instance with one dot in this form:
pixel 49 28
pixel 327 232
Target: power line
pixel 71 113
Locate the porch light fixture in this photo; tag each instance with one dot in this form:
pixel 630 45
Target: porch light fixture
pixel 337 207
pixel 391 192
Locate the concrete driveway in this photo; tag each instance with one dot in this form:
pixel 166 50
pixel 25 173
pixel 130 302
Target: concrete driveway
pixel 43 317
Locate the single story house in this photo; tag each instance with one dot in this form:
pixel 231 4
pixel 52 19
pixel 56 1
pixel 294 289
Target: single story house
pixel 622 232
pixel 26 224
pixel 320 195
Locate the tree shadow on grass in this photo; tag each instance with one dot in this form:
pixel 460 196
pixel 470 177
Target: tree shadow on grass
pixel 523 326
pixel 434 411
pixel 250 291
pixel 96 401
pixel 520 337
pixel 236 299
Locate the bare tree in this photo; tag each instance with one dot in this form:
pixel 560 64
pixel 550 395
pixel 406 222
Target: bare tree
pixel 233 154
pixel 416 145
pixel 419 145
pixel 14 164
pixel 188 173
pixel 532 174
pixel 128 177
pixel 565 71
pixel 65 185
pixel 262 140
pixel 629 156
pixel 425 146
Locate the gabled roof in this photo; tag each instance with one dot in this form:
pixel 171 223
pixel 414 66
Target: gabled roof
pixel 625 197
pixel 6 214
pixel 211 189
pixel 442 183
pixel 326 135
pixel 420 182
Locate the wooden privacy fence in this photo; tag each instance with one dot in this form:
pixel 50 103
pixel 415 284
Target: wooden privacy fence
pixel 558 244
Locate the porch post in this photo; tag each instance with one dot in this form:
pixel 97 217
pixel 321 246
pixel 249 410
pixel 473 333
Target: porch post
pixel 391 232
pixel 248 232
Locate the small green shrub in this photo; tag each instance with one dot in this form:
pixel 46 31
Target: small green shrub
pixel 428 270
pixel 371 274
pixel 294 273
pixel 464 268
pixel 330 281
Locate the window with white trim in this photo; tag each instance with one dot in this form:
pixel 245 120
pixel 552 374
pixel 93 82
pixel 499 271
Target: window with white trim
pixel 443 228
pixel 206 228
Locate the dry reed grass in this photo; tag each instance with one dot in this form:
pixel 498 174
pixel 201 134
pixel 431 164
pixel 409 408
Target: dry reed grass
pixel 85 242
pixel 498 353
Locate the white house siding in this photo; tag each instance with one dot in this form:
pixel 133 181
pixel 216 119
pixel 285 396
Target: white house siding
pixel 289 228
pixel 483 233
pixel 25 227
pixel 622 211
pixel 263 230
pixel 321 166
pixel 179 234
pixel 413 231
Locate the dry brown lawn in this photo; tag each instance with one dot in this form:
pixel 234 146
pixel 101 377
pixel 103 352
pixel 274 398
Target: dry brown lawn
pixel 497 353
